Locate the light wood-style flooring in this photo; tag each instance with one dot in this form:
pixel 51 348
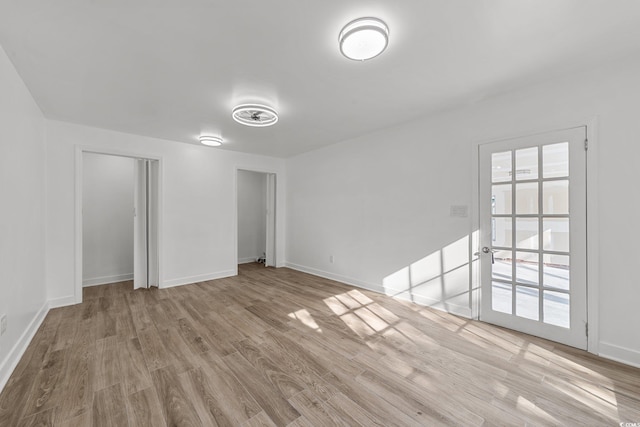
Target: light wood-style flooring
pixel 278 347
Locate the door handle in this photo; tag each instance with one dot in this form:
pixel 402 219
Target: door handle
pixel 487 250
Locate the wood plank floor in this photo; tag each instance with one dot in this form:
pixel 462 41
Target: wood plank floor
pixel 278 347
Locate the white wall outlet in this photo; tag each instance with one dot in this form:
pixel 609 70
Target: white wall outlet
pixel 331 259
pixel 3 324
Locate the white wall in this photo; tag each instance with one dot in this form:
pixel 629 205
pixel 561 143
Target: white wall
pixel 380 203
pixel 198 207
pixel 23 292
pixel 252 216
pixel 107 216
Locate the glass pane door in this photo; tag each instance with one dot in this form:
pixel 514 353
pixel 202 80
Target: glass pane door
pixel 533 235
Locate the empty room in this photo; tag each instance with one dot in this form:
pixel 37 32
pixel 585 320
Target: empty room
pixel 295 213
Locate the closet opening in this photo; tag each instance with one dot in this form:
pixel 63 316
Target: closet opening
pixel 117 220
pixel 256 213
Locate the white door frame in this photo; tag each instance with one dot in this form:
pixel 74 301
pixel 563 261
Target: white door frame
pixel 272 217
pixel 270 253
pixel 79 151
pixel 591 125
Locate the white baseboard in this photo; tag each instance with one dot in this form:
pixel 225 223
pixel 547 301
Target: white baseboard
pixel 105 280
pixel 458 310
pixel 247 260
pixel 619 354
pixel 11 360
pixel 338 278
pixel 427 302
pixel 200 278
pixel 62 302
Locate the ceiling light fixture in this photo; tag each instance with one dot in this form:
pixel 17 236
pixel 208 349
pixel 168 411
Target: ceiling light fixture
pixel 211 141
pixel 364 38
pixel 255 115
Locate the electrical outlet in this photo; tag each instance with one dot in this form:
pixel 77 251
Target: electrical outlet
pixel 331 259
pixel 3 324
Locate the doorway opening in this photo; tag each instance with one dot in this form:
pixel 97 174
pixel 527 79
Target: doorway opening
pixel 117 220
pixel 107 223
pixel 256 195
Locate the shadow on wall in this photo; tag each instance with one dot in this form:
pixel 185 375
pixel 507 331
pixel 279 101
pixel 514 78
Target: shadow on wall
pixel 444 279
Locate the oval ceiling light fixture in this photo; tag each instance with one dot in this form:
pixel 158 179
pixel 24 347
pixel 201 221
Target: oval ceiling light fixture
pixel 364 38
pixel 211 141
pixel 255 115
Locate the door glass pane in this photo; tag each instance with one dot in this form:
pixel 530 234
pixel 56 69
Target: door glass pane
pixel 555 197
pixel 527 163
pixel 501 232
pixel 556 308
pixel 556 271
pixel 527 233
pixel 501 297
pixel 555 160
pixel 527 198
pixel 501 167
pixel 501 269
pixel 527 302
pixel 501 199
pixel 527 268
pixel 556 234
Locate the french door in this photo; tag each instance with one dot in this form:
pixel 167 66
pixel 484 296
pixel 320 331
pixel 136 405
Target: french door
pixel 533 235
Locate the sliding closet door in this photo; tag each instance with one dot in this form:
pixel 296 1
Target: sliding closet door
pixel 140 225
pixel 153 258
pixel 145 242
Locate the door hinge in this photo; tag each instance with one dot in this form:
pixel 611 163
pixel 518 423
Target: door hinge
pixel 586 144
pixel 586 329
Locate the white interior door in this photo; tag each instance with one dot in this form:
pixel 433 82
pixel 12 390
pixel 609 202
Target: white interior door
pixel 270 253
pixel 145 229
pixel 533 235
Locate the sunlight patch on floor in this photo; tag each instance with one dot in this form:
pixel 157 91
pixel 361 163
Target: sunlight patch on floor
pixel 527 407
pixel 603 407
pixel 306 319
pixel 360 313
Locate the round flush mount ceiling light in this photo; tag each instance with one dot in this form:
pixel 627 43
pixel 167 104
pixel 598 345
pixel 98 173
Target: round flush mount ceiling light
pixel 364 38
pixel 255 115
pixel 211 141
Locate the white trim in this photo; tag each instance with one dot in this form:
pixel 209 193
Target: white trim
pixel 79 150
pixel 12 358
pixel 593 236
pixel 247 260
pixel 114 152
pixel 62 302
pixel 424 301
pixel 234 220
pixel 78 227
pixel 474 227
pixel 620 354
pixel 338 278
pixel 199 278
pixel 105 280
pixel 458 310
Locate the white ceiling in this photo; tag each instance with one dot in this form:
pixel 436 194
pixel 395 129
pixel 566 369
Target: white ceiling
pixel 175 68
